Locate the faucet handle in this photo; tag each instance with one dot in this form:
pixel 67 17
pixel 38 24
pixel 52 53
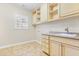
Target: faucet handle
pixel 67 29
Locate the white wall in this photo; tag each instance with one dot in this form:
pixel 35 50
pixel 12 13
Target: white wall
pixel 8 33
pixel 59 26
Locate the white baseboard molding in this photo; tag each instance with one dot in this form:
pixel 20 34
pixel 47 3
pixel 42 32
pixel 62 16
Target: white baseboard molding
pixel 10 45
pixel 38 41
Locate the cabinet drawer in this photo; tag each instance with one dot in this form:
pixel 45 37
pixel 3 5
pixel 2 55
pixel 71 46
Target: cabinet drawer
pixel 45 41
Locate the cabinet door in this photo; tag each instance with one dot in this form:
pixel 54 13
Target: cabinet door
pixel 69 50
pixel 67 9
pixel 45 46
pixel 55 48
pixel 43 12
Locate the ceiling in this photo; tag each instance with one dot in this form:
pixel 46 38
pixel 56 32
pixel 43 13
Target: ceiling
pixel 30 6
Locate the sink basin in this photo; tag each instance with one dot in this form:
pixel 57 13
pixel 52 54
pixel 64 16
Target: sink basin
pixel 64 34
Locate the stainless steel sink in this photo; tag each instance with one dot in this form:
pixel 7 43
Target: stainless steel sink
pixel 64 34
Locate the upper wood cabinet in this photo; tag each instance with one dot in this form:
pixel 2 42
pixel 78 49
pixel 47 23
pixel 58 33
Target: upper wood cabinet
pixel 49 12
pixel 44 12
pixel 36 16
pixel 68 9
pixel 53 11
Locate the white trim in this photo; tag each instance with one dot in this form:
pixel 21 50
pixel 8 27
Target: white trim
pixel 38 41
pixel 10 45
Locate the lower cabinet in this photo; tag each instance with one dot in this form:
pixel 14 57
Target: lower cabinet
pixel 55 48
pixel 46 45
pixel 69 50
pixel 63 47
pixel 45 50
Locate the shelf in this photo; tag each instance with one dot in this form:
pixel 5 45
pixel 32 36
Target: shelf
pixel 34 12
pixel 47 21
pixel 53 11
pixel 53 14
pixel 55 8
pixel 36 16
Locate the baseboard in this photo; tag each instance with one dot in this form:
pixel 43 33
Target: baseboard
pixel 10 45
pixel 38 41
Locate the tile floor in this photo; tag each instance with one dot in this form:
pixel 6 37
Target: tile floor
pixel 28 49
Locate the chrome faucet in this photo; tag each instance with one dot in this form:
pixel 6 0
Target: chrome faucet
pixel 67 29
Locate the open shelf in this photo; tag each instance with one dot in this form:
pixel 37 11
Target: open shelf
pixel 53 11
pixel 36 15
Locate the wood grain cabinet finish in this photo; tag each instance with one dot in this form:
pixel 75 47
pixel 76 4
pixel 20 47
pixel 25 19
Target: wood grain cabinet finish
pixel 69 50
pixel 55 11
pixel 36 16
pixel 68 9
pixel 55 48
pixel 45 45
pixel 64 46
